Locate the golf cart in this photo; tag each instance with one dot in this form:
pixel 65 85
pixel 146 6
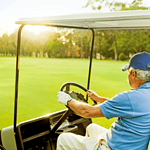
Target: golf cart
pixel 41 133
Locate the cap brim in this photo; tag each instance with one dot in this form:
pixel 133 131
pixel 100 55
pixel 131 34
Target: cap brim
pixel 125 67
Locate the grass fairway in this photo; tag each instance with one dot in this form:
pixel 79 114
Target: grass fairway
pixel 41 79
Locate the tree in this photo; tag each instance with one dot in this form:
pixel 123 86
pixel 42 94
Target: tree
pixel 77 37
pixel 105 4
pixel 56 44
pixel 135 5
pixel 113 6
pixel 105 43
pixel 82 41
pixel 5 44
pixel 13 43
pixel 70 44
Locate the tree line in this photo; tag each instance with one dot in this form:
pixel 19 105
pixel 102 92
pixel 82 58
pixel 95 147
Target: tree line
pixel 63 43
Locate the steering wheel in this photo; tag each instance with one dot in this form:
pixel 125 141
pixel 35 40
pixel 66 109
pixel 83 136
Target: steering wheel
pixel 74 95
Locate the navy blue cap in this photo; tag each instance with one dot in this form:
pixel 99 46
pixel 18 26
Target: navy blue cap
pixel 139 61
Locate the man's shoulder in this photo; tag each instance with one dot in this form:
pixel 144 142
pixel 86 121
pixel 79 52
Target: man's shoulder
pixel 137 94
pixel 121 98
pixel 126 96
pixel 130 93
pixel 122 95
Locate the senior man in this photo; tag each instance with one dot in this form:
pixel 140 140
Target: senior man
pixel 131 130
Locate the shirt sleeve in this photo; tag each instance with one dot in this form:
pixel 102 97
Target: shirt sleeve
pixel 118 106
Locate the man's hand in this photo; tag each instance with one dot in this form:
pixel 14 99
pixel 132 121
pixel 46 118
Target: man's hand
pixel 92 95
pixel 63 97
pixel 95 97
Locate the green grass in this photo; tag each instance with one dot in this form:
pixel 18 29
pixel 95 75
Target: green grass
pixel 41 79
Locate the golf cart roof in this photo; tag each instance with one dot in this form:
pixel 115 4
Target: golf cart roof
pixel 134 19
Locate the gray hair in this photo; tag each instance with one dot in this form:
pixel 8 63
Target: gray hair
pixel 141 74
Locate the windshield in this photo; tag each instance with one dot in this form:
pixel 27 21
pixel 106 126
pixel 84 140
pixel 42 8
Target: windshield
pixel 48 61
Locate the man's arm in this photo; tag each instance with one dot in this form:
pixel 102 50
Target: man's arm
pixel 81 108
pixel 85 110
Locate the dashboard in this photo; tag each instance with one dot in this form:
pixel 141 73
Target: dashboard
pixel 36 134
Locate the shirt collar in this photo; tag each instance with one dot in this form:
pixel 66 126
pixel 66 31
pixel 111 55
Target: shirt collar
pixel 145 86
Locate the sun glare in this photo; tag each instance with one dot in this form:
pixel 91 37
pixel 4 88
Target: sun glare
pixel 35 29
pixel 9 28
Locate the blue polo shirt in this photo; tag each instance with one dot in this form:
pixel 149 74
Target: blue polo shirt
pixel 131 130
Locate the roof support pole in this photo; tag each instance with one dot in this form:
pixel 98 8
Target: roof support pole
pixel 90 65
pixel 17 77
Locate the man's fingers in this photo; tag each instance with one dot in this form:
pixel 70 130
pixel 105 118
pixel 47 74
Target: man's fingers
pixel 88 93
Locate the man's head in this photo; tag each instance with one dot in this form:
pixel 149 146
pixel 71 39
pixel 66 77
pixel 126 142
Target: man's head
pixel 138 69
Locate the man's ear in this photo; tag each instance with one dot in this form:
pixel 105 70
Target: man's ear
pixel 134 75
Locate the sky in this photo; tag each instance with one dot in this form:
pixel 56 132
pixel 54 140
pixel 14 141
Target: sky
pixel 11 10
